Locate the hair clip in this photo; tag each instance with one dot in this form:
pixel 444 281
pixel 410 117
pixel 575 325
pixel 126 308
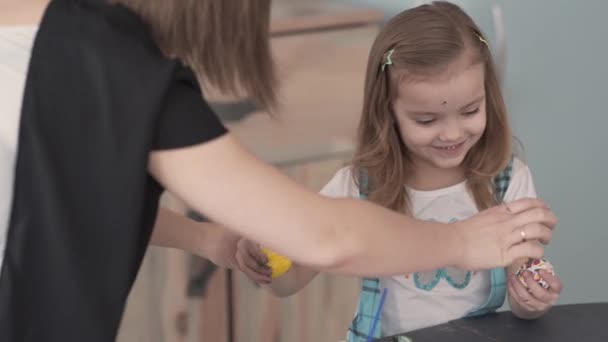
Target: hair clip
pixel 388 61
pixel 481 39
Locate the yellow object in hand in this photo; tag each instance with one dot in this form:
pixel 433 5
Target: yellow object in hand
pixel 277 263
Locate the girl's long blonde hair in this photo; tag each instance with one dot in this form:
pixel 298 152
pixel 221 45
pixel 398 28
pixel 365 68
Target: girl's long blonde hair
pixel 425 40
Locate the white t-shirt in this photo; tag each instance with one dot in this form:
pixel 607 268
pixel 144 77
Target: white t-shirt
pixel 15 47
pixel 419 300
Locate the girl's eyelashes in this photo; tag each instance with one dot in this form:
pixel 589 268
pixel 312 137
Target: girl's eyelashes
pixel 425 122
pixel 471 112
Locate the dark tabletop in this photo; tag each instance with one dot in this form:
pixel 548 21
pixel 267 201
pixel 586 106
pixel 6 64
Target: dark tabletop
pixel 563 323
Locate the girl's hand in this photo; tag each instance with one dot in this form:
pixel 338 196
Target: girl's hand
pixel 534 301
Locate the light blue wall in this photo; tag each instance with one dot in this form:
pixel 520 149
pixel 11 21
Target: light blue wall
pixel 557 95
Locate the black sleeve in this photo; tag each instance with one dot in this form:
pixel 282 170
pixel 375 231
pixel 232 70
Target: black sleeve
pixel 186 118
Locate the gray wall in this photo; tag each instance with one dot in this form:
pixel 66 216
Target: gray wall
pixel 557 94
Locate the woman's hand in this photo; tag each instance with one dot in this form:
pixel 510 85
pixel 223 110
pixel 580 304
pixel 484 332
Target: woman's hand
pixel 252 261
pixel 503 234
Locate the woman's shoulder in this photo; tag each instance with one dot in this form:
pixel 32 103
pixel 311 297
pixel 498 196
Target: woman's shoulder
pixel 99 27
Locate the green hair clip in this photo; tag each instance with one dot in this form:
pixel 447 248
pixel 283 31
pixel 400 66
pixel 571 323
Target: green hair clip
pixel 388 61
pixel 481 39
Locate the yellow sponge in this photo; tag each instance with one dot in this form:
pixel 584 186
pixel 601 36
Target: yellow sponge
pixel 277 263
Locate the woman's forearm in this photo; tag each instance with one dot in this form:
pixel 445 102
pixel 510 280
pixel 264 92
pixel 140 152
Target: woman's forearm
pixel 293 281
pixel 177 231
pixel 206 239
pixel 260 203
pixel 402 245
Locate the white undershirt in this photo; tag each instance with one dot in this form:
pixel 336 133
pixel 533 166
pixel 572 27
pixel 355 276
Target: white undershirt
pixel 15 47
pixel 414 301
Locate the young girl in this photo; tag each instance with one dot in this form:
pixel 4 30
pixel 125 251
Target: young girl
pixel 433 137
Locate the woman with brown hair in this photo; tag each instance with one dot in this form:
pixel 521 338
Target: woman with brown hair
pixel 110 113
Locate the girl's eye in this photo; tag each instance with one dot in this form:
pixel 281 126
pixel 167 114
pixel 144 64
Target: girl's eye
pixel 471 112
pixel 425 122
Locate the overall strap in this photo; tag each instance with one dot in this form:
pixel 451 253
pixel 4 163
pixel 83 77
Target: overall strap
pixel 498 275
pixel 369 298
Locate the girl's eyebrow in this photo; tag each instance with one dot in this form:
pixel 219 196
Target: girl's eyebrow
pixel 477 100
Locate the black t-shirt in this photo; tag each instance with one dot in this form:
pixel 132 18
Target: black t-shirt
pixel 99 97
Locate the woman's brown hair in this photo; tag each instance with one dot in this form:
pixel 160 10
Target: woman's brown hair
pixel 224 42
pixel 425 40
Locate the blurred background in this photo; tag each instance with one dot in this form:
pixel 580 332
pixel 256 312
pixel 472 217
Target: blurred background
pixel 552 55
